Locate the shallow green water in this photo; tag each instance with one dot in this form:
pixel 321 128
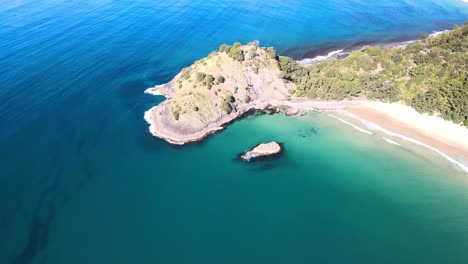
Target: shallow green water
pixel 328 199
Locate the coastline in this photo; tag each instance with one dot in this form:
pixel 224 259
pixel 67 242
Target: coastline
pixel 180 119
pixel 402 123
pixel 399 122
pixel 343 51
pixel 165 127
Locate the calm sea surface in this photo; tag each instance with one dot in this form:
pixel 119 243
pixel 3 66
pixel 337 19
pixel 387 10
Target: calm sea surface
pixel 82 180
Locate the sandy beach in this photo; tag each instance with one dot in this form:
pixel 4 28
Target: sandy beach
pixel 397 121
pixel 401 122
pixel 199 106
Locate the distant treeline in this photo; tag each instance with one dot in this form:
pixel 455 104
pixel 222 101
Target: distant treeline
pixel 430 75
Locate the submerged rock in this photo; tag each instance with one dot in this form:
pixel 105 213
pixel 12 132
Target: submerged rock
pixel 291 111
pixel 262 150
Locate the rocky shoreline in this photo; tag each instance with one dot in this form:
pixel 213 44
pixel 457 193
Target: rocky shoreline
pixel 215 91
pixel 417 127
pixel 239 80
pixel 166 128
pixel 224 86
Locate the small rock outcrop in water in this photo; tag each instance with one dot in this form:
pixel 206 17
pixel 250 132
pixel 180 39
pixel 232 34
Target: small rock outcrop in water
pixel 262 150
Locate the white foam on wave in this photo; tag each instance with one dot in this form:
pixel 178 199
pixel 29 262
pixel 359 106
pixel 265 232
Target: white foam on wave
pixel 373 126
pixel 352 125
pixel 437 33
pixel 319 58
pixel 156 91
pixel 330 54
pixel 390 141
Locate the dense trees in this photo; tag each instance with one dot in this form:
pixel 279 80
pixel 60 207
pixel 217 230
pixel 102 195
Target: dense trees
pixel 431 75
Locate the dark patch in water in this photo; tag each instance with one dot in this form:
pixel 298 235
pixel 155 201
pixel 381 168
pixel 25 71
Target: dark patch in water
pixel 53 195
pixel 267 166
pixel 135 100
pixel 88 175
pixel 162 76
pixel 40 225
pixel 38 236
pixel 132 93
pixel 131 89
pixel 81 144
pixel 147 142
pixel 307 132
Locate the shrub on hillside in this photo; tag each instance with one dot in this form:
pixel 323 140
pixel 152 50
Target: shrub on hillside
pixel 236 52
pixel 224 48
pixel 200 76
pixel 271 52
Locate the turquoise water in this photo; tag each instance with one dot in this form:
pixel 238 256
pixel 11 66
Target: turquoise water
pixel 82 181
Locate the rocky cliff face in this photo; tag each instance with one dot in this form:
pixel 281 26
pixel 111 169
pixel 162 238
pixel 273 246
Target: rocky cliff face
pixel 215 90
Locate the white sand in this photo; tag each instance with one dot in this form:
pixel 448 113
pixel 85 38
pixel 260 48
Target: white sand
pixel 433 126
pixel 444 137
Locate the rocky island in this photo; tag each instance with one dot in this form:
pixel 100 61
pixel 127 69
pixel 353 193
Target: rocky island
pixel 262 150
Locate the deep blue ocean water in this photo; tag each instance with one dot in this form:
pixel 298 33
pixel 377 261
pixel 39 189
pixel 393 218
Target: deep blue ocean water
pixel 82 181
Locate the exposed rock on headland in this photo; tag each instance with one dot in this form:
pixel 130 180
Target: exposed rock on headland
pixel 215 91
pixel 222 87
pixel 262 150
pixel 237 80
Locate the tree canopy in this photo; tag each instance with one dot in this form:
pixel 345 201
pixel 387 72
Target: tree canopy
pixel 430 75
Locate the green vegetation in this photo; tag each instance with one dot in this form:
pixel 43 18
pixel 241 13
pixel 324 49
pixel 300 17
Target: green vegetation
pixel 226 103
pixel 236 52
pixel 430 75
pixel 186 73
pixel 224 48
pixel 176 112
pixel 220 79
pixel 209 80
pixel 271 52
pixel 200 76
